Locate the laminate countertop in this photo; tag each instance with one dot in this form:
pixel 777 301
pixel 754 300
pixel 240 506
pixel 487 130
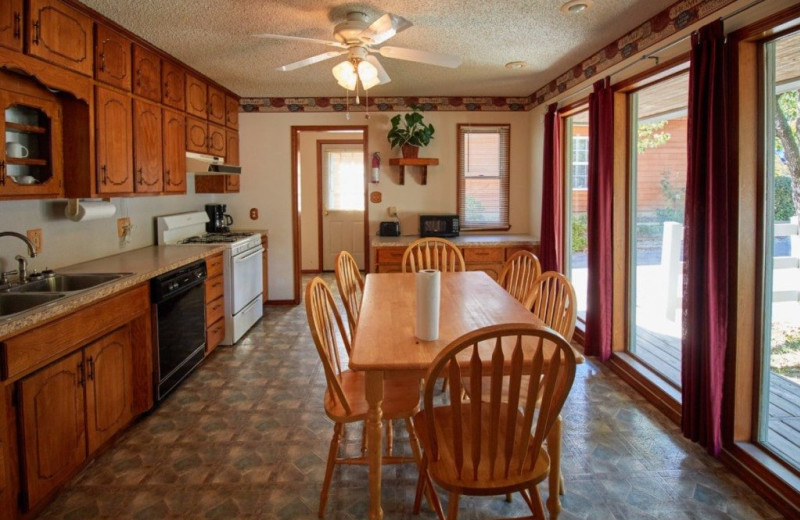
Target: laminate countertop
pixel 494 240
pixel 140 265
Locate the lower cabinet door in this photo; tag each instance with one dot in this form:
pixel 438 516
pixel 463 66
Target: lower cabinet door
pixel 52 423
pixel 109 386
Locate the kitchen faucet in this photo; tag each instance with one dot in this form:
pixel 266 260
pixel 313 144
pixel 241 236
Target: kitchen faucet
pixel 22 270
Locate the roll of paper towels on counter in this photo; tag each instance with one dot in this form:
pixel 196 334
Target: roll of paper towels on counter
pixel 81 210
pixel 429 289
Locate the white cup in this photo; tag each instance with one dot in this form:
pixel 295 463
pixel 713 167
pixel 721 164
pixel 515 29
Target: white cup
pixel 16 151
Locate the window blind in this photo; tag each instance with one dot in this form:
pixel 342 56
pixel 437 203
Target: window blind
pixel 483 176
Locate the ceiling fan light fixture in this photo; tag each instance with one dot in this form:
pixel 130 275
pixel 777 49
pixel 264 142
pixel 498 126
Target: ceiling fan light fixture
pixel 368 75
pixel 345 75
pixel 516 65
pixel 576 6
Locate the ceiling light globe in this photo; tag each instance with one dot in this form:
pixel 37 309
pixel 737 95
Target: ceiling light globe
pixel 345 75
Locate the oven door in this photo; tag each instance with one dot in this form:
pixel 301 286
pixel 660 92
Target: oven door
pixel 246 278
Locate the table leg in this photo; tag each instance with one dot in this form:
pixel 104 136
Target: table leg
pixel 554 479
pixel 374 382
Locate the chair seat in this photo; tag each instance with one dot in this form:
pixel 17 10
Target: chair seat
pixel 443 471
pixel 400 398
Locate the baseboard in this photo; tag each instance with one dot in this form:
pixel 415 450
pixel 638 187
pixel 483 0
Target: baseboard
pixel 280 302
pixel 310 271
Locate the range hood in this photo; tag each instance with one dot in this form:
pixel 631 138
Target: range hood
pixel 202 164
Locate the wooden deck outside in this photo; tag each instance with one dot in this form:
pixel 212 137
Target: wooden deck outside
pixel 663 354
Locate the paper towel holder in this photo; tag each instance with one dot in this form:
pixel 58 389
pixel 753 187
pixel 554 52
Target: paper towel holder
pixel 72 209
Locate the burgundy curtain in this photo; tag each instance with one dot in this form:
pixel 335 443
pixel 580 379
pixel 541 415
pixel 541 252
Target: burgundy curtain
pixel 601 186
pixel 552 235
pixel 705 242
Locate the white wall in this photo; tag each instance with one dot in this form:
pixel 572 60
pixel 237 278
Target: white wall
pixel 266 182
pixel 65 242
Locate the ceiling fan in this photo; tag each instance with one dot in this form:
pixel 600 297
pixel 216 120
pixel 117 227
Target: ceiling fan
pixel 359 39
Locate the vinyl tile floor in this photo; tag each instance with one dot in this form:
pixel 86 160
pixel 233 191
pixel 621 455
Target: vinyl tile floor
pixel 245 436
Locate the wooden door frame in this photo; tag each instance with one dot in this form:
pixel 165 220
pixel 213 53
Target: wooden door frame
pixel 295 172
pixel 320 144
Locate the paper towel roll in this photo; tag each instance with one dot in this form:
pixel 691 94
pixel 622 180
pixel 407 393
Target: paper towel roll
pixel 429 289
pixel 79 211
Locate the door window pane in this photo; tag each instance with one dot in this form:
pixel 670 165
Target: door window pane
pixel 658 185
pixel 345 188
pixel 779 424
pixel 576 139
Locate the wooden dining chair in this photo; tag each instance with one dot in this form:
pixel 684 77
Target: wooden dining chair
pixel 351 287
pixel 494 447
pixel 345 397
pixel 519 274
pixel 432 253
pixel 552 299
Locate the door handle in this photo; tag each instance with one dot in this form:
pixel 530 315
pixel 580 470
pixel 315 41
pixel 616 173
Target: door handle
pixel 326 212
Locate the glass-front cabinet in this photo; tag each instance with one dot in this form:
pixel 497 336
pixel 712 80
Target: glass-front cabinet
pixel 31 163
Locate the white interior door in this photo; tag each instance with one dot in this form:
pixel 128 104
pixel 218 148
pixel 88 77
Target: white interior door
pixel 342 202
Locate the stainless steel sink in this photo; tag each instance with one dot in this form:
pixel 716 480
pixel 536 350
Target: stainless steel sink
pixel 67 283
pixel 12 303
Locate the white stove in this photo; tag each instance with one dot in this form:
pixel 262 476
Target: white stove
pixel 242 268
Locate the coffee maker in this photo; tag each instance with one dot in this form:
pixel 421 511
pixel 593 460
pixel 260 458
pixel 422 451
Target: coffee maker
pixel 218 220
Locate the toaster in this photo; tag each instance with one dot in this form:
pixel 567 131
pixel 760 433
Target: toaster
pixel 389 229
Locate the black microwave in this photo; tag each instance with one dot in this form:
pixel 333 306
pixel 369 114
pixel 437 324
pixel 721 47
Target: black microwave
pixel 438 225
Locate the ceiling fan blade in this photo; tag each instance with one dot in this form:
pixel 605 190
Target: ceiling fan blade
pixel 310 61
pixel 384 28
pixel 300 39
pixel 382 76
pixel 431 58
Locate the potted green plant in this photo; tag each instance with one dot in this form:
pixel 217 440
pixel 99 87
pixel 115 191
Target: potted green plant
pixel 410 132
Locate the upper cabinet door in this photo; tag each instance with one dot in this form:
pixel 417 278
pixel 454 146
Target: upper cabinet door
pixel 112 58
pixel 147 146
pixel 216 105
pixel 146 74
pixel 11 24
pixel 216 140
pixel 60 34
pixel 174 79
pixel 196 135
pixel 232 112
pixel 114 143
pixel 196 97
pixel 174 151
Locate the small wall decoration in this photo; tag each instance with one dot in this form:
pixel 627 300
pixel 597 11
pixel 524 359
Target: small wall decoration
pixel 376 197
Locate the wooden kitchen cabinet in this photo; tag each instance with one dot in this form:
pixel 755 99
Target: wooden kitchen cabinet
pixel 196 135
pixel 8 499
pixel 146 74
pixel 216 105
pixel 34 120
pixel 114 142
pixel 196 97
pixel 147 147
pixel 53 432
pixel 109 386
pixel 215 303
pixel 112 58
pixel 222 183
pixel 487 259
pixel 173 78
pixel 217 140
pixel 232 112
pixel 174 131
pixel 388 259
pixel 11 24
pixel 60 34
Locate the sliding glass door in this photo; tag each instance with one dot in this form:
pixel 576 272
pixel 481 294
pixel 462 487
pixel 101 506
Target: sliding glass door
pixel 576 167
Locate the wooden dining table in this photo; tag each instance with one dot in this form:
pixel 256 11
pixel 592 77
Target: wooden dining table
pixel 384 346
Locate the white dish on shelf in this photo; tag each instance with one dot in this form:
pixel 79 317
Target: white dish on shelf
pixel 26 179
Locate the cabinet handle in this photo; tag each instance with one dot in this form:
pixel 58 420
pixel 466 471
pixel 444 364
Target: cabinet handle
pixel 139 176
pixel 102 62
pixel 90 362
pixel 168 179
pixel 105 176
pixel 17 25
pixel 36 32
pixel 80 374
pixel 166 90
pixel 2 173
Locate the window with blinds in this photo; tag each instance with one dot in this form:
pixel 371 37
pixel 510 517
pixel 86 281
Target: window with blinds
pixel 483 164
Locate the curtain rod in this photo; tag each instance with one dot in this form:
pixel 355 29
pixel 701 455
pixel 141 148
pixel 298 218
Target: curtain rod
pixel 652 55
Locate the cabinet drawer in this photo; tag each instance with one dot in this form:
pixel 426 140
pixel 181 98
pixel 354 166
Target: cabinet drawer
pixel 214 335
pixel 510 251
pixel 390 255
pixel 215 310
pixel 214 265
pixel 484 254
pixel 214 288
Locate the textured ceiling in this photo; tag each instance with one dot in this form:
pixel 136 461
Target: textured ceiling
pixel 214 37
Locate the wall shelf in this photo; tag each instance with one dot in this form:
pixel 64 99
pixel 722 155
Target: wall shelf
pixel 421 162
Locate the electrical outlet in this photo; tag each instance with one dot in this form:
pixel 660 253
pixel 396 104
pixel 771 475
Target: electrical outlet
pixel 35 236
pixel 123 226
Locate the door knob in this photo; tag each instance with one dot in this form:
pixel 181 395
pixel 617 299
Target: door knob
pixel 325 212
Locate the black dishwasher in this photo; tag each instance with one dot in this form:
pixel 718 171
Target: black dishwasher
pixel 179 299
